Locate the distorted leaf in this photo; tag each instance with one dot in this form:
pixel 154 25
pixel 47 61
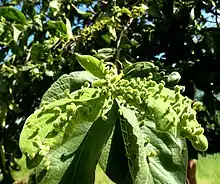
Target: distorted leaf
pixel 74 164
pixel 72 82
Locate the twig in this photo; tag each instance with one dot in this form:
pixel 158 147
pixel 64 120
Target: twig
pixel 119 39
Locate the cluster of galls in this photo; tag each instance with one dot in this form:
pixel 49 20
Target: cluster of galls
pixel 168 109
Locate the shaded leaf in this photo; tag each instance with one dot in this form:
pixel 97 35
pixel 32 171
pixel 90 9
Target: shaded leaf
pixel 154 156
pixel 12 14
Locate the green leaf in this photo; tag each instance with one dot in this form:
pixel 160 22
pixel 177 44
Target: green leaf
pixel 134 144
pixel 69 29
pixel 82 13
pixel 107 38
pixel 113 154
pixel 59 26
pixel 12 14
pixel 16 33
pixel 101 177
pixel 92 65
pixel 72 82
pixel 52 126
pixel 75 161
pixel 36 51
pixel 154 156
pixel 170 163
pixel 105 53
pixel 140 69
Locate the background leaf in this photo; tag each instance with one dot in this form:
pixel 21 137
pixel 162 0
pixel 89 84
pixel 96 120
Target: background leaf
pixel 12 14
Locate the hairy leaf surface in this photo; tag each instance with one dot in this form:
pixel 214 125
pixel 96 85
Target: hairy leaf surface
pixel 78 157
pixel 154 156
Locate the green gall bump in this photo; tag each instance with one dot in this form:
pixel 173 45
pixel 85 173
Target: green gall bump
pixel 86 85
pixel 162 82
pixel 104 117
pixel 31 155
pixel 177 97
pixel 161 86
pixel 147 140
pixel 200 143
pixel 130 97
pixel 63 118
pixel 152 83
pixel 70 109
pixel 152 154
pixel 57 110
pixel 176 89
pixel 198 131
pixel 177 109
pixel 192 116
pixel 57 127
pixel 185 116
pixel 129 89
pixel 67 93
pixel 47 165
pixel 197 106
pixel 44 150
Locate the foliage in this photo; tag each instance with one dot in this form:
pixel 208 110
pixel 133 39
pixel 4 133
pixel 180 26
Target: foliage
pixel 64 139
pixel 38 39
